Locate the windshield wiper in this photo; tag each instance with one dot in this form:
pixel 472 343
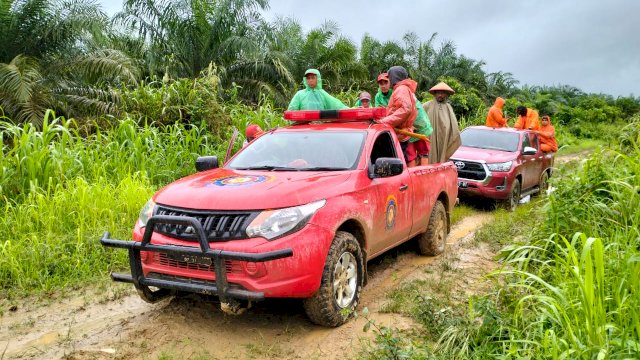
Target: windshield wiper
pixel 324 168
pixel 268 168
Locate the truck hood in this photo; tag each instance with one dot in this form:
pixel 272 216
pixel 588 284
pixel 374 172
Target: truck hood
pixel 490 156
pixel 226 189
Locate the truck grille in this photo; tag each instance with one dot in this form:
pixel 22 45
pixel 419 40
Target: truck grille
pixel 470 170
pixel 166 260
pixel 218 225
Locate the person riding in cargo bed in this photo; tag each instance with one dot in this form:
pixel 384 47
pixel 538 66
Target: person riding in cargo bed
pixel 313 97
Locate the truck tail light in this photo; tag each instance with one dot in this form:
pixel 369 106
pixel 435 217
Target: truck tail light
pixel 336 115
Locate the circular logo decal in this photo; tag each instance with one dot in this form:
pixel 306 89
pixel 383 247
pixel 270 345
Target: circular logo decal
pixel 391 210
pixel 240 180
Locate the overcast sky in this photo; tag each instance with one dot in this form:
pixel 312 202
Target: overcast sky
pixel 591 44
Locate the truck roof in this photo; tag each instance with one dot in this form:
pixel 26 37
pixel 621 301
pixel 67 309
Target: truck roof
pixel 504 129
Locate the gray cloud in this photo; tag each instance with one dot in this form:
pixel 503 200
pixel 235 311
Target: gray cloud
pixel 593 45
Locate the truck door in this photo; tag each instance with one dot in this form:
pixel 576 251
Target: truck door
pixel 538 163
pixel 529 177
pixel 391 198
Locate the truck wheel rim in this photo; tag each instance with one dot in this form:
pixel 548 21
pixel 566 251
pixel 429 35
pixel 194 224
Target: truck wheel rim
pixel 345 276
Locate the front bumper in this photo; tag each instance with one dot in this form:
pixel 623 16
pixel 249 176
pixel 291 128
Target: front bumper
pixel 496 186
pixel 220 286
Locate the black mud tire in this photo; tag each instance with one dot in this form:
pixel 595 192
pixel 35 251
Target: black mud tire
pixel 511 203
pixel 543 185
pixel 323 307
pixel 434 240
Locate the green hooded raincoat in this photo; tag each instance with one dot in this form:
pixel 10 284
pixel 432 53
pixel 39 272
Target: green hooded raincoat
pixel 314 99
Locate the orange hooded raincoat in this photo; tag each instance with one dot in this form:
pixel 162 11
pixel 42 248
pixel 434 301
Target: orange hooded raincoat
pixel 401 111
pixel 495 118
pixel 548 141
pixel 530 121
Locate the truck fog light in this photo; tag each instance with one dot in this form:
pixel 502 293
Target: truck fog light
pixel 255 269
pixel 502 186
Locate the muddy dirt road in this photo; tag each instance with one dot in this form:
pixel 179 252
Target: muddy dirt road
pixel 118 325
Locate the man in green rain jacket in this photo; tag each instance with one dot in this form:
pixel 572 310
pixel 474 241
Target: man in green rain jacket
pixel 312 97
pixel 384 91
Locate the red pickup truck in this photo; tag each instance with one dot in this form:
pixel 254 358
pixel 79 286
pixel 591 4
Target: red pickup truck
pixel 503 164
pixel 295 214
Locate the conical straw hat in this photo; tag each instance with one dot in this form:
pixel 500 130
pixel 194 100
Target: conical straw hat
pixel 441 86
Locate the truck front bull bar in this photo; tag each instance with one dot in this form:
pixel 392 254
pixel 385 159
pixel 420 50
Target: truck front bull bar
pixel 220 287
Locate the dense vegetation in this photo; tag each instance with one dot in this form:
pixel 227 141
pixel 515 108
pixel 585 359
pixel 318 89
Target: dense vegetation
pixel 569 285
pixel 97 113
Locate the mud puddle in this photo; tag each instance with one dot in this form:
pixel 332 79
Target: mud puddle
pixel 95 325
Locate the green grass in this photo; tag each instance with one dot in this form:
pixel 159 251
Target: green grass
pixel 460 212
pixel 51 240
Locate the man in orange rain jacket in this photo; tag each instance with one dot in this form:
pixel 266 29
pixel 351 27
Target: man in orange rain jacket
pixel 494 117
pixel 527 119
pixel 547 133
pixel 401 110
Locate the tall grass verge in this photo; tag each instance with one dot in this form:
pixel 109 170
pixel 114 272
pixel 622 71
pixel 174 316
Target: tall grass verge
pixel 50 241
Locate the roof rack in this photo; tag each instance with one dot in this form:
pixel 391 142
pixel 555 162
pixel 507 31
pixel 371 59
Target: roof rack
pixel 346 115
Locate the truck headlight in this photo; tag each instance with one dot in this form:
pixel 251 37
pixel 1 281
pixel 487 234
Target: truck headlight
pixel 146 213
pixel 271 224
pixel 504 166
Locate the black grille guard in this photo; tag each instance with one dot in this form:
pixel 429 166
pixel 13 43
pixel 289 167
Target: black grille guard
pixel 220 287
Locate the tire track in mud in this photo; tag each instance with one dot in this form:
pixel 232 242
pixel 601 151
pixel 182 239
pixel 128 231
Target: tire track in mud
pixel 89 326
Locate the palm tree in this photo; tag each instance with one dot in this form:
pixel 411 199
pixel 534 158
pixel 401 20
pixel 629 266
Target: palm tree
pixel 48 60
pixel 334 55
pixel 185 36
pixel 379 57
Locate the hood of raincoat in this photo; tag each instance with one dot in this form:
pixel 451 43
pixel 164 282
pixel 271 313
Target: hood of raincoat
pixel 312 71
pixel 409 83
pixel 397 74
pixel 499 102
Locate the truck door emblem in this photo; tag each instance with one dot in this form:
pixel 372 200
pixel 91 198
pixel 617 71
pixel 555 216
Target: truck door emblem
pixel 459 164
pixel 391 212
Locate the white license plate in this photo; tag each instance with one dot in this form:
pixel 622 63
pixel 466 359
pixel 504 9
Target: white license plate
pixel 463 184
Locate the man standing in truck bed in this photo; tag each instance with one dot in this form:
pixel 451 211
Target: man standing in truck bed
pixel 401 111
pixel 527 119
pixel 313 97
pixel 445 139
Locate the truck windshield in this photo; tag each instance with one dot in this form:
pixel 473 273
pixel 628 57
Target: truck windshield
pixel 490 139
pixel 301 151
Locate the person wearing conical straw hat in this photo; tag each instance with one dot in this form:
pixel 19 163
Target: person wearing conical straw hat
pixel 445 138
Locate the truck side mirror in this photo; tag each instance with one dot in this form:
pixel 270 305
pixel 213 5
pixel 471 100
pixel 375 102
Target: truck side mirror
pixel 386 167
pixel 206 163
pixel 528 150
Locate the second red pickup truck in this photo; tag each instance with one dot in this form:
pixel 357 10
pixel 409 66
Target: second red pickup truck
pixel 502 164
pixel 297 213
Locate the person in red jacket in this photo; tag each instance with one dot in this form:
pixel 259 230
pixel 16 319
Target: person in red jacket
pixel 547 133
pixel 494 117
pixel 401 111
